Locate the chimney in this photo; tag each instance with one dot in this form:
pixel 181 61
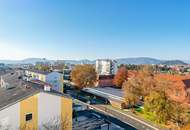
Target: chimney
pixel 47 88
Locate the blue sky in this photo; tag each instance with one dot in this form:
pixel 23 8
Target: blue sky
pixel 81 29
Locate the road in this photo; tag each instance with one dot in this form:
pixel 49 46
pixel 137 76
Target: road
pixel 126 118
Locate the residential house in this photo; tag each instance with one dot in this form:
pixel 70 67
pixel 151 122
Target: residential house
pixel 53 78
pixel 31 106
pixel 178 88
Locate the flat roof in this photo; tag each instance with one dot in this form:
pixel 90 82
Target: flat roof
pixel 107 92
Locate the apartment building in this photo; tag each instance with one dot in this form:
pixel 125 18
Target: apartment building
pixel 30 106
pixel 106 67
pixel 55 79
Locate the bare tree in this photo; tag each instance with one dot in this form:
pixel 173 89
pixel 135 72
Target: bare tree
pixel 56 123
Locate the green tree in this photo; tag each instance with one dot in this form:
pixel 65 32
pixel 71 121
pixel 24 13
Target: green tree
pixel 42 67
pixel 159 105
pixel 83 76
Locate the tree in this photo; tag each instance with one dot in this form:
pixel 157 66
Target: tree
pixel 147 70
pixel 159 105
pixel 58 124
pixel 42 67
pixel 179 115
pixel 157 102
pixel 83 76
pixel 187 127
pixel 139 86
pixel 121 77
pixel 55 123
pixel 146 79
pixel 132 92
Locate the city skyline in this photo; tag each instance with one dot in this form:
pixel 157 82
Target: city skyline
pixel 72 29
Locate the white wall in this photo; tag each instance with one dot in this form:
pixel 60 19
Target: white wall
pixel 49 108
pixel 10 117
pixel 106 67
pixel 54 79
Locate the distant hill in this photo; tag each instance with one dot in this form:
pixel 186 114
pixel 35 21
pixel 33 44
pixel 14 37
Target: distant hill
pixel 136 61
pixel 34 60
pixel 85 61
pixel 146 60
pixel 25 61
pixel 173 62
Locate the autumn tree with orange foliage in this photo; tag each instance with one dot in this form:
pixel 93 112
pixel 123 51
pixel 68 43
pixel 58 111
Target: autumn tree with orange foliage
pixel 83 76
pixel 121 77
pixel 187 127
pixel 132 92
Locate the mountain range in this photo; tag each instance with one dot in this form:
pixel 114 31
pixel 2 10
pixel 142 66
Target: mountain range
pixel 136 61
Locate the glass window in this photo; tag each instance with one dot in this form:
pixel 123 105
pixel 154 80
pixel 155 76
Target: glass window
pixel 29 117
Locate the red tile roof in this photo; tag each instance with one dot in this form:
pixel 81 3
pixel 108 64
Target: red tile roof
pixel 179 88
pixel 178 80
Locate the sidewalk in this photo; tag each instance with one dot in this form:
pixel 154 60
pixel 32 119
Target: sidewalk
pixel 128 118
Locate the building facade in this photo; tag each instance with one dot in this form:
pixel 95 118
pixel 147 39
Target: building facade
pixel 106 67
pixel 105 81
pixel 37 112
pixel 55 79
pixel 29 105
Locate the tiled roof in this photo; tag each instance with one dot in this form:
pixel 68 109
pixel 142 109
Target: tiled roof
pixel 178 80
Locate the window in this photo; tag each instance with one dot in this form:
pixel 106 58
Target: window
pixel 29 117
pixel 177 93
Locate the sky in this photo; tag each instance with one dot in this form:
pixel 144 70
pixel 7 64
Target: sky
pixel 94 29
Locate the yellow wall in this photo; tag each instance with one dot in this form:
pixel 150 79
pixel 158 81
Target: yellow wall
pixel 66 113
pixel 40 76
pixel 29 105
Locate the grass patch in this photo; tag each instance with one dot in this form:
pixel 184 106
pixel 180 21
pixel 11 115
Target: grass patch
pixel 150 117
